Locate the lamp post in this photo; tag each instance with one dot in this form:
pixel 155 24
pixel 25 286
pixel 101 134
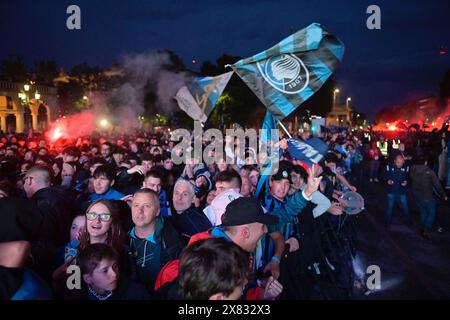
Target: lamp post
pixel 347 103
pixel 335 93
pixel 24 95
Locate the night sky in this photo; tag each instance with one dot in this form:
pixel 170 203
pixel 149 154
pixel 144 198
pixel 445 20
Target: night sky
pixel 380 68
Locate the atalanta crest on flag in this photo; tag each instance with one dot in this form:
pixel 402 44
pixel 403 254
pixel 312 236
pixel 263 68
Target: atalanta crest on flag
pixel 286 73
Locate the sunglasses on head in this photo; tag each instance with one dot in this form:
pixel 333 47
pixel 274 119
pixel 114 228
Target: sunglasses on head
pixel 93 216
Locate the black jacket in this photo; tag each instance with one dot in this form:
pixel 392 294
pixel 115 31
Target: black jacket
pixel 398 176
pixel 20 220
pixel 190 222
pixel 423 182
pixel 56 207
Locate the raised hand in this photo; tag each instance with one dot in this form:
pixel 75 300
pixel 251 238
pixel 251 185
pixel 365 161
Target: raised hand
pixel 139 169
pixel 313 183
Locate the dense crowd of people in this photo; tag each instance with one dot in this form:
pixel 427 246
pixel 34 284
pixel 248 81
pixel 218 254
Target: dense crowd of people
pixel 113 217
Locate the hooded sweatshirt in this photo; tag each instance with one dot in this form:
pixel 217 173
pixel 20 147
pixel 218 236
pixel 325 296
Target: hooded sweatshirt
pixel 151 253
pixel 423 182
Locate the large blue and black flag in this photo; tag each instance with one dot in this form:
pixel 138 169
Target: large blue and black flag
pixel 290 72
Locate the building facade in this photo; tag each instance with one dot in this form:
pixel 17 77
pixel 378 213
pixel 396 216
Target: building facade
pixel 25 106
pixel 341 115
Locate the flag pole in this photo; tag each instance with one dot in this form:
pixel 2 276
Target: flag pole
pixel 284 128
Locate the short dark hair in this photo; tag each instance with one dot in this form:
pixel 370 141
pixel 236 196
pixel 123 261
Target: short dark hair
pixel 157 158
pixel 331 157
pixel 106 171
pixel 85 148
pixel 95 160
pixel 300 171
pixel 154 174
pixel 167 155
pixel 90 257
pixel 72 151
pixel 420 160
pixel 134 157
pixel 119 150
pixel 249 167
pixel 212 266
pixel 229 176
pixel 146 157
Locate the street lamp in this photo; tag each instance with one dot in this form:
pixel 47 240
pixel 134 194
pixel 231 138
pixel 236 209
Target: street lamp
pixel 335 92
pixel 26 87
pixel 348 102
pixel 37 95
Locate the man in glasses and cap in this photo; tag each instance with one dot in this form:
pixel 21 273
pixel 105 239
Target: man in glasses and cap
pixel 243 223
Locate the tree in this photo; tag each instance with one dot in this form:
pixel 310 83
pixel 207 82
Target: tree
pixel 81 70
pixel 45 71
pixel 236 97
pixel 208 69
pixel 175 62
pixel 221 113
pixel 70 96
pixel 13 68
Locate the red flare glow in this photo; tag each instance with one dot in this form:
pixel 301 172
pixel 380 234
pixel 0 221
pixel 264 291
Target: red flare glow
pixel 56 134
pixel 72 127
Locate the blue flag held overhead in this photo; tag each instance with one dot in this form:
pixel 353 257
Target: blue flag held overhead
pixel 309 151
pixel 266 138
pixel 200 97
pixel 290 72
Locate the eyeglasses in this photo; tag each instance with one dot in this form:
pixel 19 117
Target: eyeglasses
pixel 93 216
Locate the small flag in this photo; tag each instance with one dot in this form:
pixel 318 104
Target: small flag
pixel 266 168
pixel 199 98
pixel 290 72
pixel 311 151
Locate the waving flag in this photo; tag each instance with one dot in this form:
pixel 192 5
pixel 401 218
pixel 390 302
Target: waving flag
pixel 290 72
pixel 266 169
pixel 199 99
pixel 311 151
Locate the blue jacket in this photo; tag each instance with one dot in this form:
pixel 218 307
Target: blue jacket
pixel 151 254
pixel 111 194
pixel 287 213
pixel 32 288
pixel 398 175
pixel 164 204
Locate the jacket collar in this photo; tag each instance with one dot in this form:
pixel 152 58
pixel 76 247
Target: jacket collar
pixel 156 236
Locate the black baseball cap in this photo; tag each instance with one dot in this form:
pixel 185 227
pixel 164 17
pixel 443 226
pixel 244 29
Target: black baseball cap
pixel 284 171
pixel 246 210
